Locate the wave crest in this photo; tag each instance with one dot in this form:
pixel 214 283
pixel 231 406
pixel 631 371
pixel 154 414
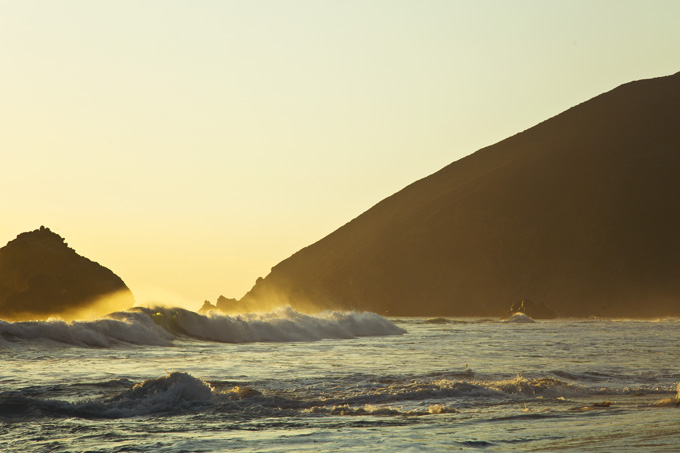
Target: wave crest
pixel 519 318
pixel 161 325
pixel 670 402
pixel 368 409
pixel 175 393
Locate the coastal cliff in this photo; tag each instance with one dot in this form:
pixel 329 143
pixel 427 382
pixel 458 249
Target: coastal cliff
pixel 579 213
pixel 41 276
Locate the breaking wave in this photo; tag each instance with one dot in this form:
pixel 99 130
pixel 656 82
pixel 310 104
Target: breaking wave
pixel 519 318
pixel 176 392
pixel 670 402
pixel 160 326
pixel 368 409
pixel 180 393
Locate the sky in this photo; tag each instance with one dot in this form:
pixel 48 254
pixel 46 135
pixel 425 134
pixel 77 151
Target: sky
pixel 191 146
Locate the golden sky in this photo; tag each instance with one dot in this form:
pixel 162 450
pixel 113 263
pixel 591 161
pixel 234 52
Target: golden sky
pixel 191 146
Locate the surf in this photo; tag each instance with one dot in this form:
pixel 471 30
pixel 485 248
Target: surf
pixel 163 326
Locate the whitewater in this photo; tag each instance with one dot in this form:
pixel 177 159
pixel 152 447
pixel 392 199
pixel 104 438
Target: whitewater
pixel 170 380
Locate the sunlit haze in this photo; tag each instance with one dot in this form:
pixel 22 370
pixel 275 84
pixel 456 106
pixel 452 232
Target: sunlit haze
pixel 191 146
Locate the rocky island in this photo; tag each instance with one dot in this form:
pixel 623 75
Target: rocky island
pixel 41 276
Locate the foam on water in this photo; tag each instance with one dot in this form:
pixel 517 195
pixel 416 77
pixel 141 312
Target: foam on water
pixel 461 390
pixel 281 325
pixel 518 318
pixel 160 326
pixel 670 402
pixel 174 393
pixel 368 409
pixel 179 393
pixel 117 328
pixel 438 320
pixel 463 383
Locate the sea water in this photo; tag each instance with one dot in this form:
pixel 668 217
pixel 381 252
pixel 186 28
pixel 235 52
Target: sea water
pixel 171 380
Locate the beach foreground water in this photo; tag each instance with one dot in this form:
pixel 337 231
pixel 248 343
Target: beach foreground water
pixel 171 380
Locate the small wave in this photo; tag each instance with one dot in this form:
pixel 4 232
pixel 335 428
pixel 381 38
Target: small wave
pixel 518 318
pixel 175 386
pixel 669 402
pixel 180 393
pixel 121 327
pixel 476 444
pixel 442 396
pixel 593 406
pixel 438 321
pixel 461 391
pixel 176 392
pixel 160 326
pixel 368 409
pixel 441 320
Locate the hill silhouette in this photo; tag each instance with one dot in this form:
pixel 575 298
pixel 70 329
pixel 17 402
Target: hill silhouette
pixel 579 213
pixel 40 276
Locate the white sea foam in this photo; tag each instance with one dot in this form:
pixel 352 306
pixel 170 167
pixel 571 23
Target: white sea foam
pixel 281 325
pixel 263 392
pixel 161 325
pixel 518 318
pixel 516 389
pixel 670 402
pixel 441 392
pixel 123 327
pixel 368 409
pixel 179 392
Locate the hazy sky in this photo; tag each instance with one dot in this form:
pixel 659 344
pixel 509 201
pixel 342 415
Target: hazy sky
pixel 190 146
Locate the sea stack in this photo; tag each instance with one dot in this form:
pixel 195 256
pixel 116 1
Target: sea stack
pixel 579 212
pixel 41 276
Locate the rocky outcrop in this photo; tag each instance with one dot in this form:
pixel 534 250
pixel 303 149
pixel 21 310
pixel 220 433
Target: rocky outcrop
pixel 207 307
pixel 535 310
pixel 226 304
pixel 580 211
pixel 41 276
pixel 223 304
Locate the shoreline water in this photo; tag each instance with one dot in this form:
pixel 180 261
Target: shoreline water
pixel 463 383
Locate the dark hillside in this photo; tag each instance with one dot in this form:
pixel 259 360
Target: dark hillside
pixel 579 213
pixel 41 276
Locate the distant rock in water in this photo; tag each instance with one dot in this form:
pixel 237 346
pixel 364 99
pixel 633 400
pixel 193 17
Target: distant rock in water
pixel 223 304
pixel 40 276
pixel 579 211
pixel 535 310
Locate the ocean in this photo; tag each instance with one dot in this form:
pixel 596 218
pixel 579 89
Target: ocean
pixel 170 380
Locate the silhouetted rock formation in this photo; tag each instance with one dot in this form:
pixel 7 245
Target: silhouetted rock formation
pixel 580 212
pixel 206 307
pixel 41 276
pixel 225 303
